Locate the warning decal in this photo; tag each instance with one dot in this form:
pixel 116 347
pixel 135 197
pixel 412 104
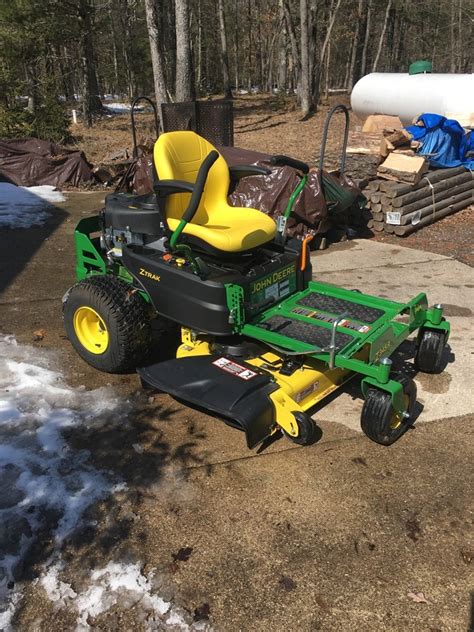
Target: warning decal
pixel 235 369
pixel 348 324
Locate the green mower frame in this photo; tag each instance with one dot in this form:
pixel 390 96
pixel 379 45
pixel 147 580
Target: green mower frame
pixel 262 343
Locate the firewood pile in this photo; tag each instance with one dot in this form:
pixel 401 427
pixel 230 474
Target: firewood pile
pixel 402 208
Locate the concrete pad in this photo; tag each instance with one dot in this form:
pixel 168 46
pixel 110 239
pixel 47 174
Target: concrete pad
pixel 445 281
pixel 362 254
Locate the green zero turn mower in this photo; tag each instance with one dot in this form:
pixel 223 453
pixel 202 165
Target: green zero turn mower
pixel 261 342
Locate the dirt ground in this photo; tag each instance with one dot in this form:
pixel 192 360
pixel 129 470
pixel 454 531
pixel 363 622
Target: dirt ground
pixel 340 535
pixel 334 536
pixel 272 124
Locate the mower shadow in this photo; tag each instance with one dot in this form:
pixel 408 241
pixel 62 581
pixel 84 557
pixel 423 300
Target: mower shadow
pixel 19 245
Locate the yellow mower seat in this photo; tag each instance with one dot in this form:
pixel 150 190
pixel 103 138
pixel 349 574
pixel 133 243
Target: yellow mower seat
pixel 178 156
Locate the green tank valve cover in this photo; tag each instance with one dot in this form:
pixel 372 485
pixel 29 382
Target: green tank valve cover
pixel 419 67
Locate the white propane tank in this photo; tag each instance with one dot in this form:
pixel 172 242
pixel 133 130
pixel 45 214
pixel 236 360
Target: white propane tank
pixel 407 96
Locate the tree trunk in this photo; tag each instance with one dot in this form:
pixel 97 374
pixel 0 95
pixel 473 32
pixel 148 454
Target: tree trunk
pixel 90 88
pixel 155 50
pixel 32 88
pixel 224 55
pixel 294 46
pixel 452 42
pixel 326 74
pixel 282 62
pixel 332 18
pixel 459 60
pixel 313 34
pixel 67 74
pixel 114 50
pixel 317 72
pixel 363 61
pixel 400 45
pixel 250 30
pixel 382 36
pixel 183 52
pixel 260 54
pixel 126 19
pixel 307 105
pixel 355 46
pixel 236 43
pixel 199 49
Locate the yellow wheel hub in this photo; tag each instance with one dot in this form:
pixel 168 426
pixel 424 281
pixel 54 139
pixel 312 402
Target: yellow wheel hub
pixel 90 330
pixel 397 418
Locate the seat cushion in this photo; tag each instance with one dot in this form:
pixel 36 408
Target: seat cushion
pixel 232 229
pixel 179 155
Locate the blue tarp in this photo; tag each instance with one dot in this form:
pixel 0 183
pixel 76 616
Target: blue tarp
pixel 444 141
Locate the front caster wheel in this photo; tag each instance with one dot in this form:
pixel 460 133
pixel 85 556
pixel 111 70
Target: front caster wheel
pixel 306 429
pixel 380 421
pixel 429 353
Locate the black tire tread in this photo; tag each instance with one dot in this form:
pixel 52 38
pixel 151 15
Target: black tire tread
pixel 429 353
pixel 306 429
pixel 377 411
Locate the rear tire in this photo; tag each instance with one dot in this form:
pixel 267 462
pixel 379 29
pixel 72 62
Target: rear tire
pixel 379 421
pixel 108 323
pixel 306 429
pixel 429 353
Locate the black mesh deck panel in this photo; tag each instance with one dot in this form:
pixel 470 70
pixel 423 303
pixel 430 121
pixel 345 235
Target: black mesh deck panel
pixel 305 332
pixel 337 306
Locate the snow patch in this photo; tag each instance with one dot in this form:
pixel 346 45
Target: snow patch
pixel 23 207
pixel 122 584
pixel 122 108
pixel 45 485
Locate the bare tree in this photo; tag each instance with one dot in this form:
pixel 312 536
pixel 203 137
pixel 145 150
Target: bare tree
pixel 155 51
pixel 307 105
pixel 356 45
pixel 294 45
pixel 199 48
pixel 333 9
pixel 224 55
pixel 127 18
pixel 283 40
pixel 363 61
pixel 183 52
pixel 382 36
pixel 113 33
pixel 90 86
pixel 236 44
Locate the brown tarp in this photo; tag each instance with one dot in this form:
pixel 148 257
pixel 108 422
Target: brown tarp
pixel 269 193
pixel 32 162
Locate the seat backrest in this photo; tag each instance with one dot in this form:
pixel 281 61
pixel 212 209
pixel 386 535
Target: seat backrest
pixel 178 156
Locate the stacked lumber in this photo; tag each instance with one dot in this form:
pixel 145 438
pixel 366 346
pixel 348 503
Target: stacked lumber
pixel 401 209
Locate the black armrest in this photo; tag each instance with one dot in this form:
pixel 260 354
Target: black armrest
pixel 166 187
pixel 198 188
pixel 289 162
pixel 243 171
